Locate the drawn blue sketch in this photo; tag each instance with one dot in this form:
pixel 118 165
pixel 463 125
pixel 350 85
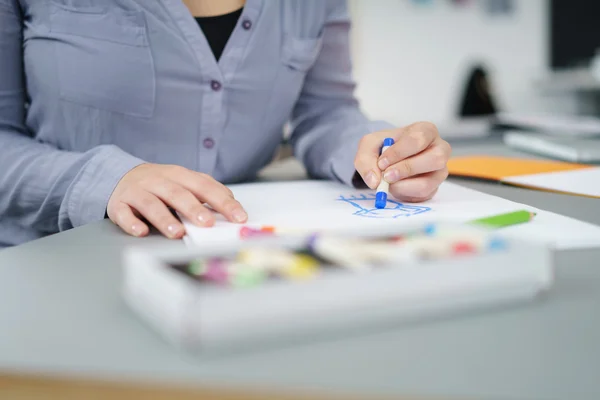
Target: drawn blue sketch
pixel 365 207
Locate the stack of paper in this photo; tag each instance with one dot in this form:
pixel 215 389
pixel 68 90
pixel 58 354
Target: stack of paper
pixel 555 176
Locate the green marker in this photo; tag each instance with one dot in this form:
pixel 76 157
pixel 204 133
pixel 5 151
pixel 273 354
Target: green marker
pixel 246 276
pixel 197 268
pixel 504 220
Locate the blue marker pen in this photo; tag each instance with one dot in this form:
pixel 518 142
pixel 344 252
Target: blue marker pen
pixel 382 190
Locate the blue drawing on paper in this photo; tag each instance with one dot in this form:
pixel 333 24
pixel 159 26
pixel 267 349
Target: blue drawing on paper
pixel 365 207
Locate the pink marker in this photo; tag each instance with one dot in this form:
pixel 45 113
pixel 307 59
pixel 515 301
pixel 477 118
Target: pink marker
pixel 216 271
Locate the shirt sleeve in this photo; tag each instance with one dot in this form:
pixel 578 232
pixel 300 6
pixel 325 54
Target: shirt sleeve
pixel 327 122
pixel 41 186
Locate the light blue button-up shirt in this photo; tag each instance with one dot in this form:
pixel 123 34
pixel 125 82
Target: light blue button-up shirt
pixel 90 89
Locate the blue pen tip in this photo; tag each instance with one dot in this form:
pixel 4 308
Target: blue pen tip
pixel 497 244
pixel 388 142
pixel 380 200
pixel 430 229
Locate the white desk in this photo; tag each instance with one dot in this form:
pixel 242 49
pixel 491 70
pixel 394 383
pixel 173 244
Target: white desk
pixel 60 310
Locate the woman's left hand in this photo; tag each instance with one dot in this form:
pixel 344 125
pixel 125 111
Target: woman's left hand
pixel 414 166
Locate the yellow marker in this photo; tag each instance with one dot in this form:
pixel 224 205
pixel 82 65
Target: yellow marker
pixel 265 259
pixel 304 267
pixel 280 262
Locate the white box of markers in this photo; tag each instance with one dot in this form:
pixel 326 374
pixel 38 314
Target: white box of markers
pixel 199 315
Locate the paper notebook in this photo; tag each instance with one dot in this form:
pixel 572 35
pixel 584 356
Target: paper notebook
pixel 325 205
pixel 554 176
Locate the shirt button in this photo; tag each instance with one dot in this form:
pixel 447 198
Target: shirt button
pixel 247 24
pixel 208 143
pixel 215 85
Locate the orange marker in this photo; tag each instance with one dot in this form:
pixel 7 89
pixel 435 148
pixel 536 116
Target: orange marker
pixel 248 232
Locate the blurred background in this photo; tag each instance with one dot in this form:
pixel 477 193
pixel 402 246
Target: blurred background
pixel 414 58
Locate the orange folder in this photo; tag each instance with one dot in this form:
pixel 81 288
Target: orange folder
pixel 498 168
pixel 553 176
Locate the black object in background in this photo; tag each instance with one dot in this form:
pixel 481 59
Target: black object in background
pixel 477 97
pixel 574 32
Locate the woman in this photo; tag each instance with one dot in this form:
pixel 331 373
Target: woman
pixel 124 108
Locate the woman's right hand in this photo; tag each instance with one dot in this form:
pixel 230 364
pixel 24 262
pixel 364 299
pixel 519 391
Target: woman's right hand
pixel 149 189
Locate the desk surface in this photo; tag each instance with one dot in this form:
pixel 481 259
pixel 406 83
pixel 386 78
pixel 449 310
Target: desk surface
pixel 61 311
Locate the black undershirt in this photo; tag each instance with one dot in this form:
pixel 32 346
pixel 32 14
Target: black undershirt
pixel 218 29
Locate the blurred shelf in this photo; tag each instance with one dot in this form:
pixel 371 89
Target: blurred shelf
pixel 569 80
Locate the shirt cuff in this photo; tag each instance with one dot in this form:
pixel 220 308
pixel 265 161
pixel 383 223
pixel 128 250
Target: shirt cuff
pixel 90 191
pixel 342 164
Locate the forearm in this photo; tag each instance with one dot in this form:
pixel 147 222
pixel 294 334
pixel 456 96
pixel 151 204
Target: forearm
pixel 330 139
pixel 53 190
pixel 327 123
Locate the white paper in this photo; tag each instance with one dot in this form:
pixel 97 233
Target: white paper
pixel 562 233
pixel 330 205
pixel 580 181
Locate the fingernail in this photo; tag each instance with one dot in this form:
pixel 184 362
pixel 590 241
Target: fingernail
pixel 239 216
pixel 383 163
pixel 174 230
pixel 203 219
pixel 391 176
pixel 371 179
pixel 137 230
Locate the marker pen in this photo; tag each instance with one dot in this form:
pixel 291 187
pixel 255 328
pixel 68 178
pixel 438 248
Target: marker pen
pixel 382 190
